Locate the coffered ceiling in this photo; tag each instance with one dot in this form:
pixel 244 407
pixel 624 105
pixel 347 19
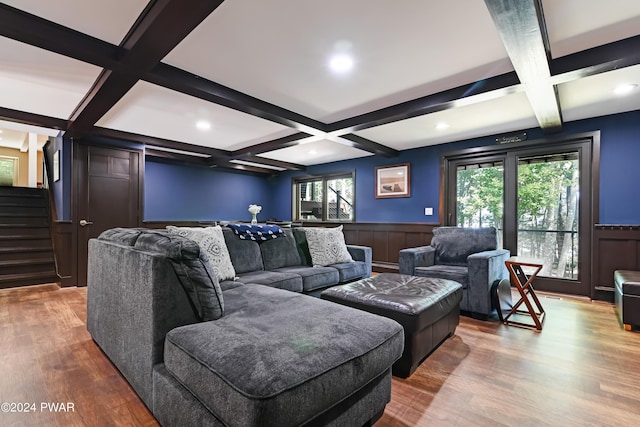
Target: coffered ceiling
pixel 258 74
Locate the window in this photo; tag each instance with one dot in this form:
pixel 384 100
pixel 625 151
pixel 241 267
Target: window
pixel 538 194
pixel 324 198
pixel 8 170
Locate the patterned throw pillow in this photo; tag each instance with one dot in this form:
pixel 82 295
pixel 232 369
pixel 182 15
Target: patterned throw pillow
pixel 213 249
pixel 327 246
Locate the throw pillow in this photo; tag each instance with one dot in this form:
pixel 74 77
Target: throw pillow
pixel 327 246
pixel 213 249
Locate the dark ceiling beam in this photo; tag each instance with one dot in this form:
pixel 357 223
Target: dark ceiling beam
pixel 276 144
pixel 184 82
pixel 246 168
pixel 161 27
pixel 270 162
pixel 597 60
pixel 365 144
pixel 182 158
pixel 35 31
pixel 522 29
pixel 472 93
pixel 32 119
pixel 160 142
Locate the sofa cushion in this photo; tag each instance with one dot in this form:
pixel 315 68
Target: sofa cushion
pixel 281 280
pixel 454 244
pixel 313 277
pixel 327 246
pixel 200 283
pixel 122 236
pixel 213 249
pixel 268 370
pixel 245 254
pixel 280 252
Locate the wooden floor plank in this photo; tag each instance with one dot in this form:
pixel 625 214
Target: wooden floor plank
pixel 582 369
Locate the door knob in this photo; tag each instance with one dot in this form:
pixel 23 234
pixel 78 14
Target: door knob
pixel 84 223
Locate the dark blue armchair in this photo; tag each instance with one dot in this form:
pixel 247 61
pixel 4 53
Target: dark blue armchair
pixel 469 256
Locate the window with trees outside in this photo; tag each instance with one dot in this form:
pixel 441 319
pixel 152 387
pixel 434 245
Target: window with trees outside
pixel 538 197
pixel 324 198
pixel 8 170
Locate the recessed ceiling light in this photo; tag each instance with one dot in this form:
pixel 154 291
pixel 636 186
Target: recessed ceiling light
pixel 625 89
pixel 203 125
pixel 442 126
pixel 341 63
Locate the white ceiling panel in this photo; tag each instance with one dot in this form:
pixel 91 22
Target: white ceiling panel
pixel 594 96
pixel 37 81
pixel 152 110
pixel 278 51
pixel 575 25
pixel 499 115
pixel 316 152
pixel 107 20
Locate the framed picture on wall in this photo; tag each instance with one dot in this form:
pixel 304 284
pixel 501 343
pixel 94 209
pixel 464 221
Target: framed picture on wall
pixel 56 165
pixel 393 181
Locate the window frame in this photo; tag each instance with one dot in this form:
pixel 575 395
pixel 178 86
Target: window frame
pixel 324 178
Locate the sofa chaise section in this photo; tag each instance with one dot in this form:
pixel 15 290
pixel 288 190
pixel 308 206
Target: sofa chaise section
pixel 279 358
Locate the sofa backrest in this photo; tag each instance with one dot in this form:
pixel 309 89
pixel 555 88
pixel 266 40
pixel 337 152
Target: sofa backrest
pixel 280 252
pixel 454 244
pixel 245 254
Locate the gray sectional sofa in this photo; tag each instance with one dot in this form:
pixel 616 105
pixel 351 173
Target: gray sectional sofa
pixel 267 357
pixel 285 263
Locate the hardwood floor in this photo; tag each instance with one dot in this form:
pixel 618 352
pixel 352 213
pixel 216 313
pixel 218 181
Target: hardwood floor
pixel 583 369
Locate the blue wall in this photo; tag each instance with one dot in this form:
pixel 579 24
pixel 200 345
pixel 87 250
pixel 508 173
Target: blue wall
pixel 194 193
pixel 174 192
pixel 62 188
pixel 619 175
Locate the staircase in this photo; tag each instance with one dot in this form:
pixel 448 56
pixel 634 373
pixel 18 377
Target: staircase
pixel 26 252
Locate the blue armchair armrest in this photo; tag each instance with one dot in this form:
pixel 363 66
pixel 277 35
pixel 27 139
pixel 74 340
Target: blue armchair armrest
pixel 409 259
pixel 484 268
pixel 362 253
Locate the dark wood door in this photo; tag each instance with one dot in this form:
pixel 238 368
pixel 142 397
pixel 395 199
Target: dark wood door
pixel 108 195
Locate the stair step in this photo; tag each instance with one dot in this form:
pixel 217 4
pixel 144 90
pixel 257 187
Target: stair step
pixel 23 221
pixel 24 261
pixel 25 249
pixel 22 201
pixel 27 266
pixel 19 255
pixel 26 279
pixel 22 191
pixel 27 234
pixel 26 240
pixel 20 211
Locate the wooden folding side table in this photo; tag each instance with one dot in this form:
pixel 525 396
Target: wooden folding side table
pixel 524 284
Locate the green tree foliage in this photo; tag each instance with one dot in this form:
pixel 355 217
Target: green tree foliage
pixel 546 208
pixel 480 197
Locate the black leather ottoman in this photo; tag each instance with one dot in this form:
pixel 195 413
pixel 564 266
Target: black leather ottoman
pixel 428 309
pixel 627 297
